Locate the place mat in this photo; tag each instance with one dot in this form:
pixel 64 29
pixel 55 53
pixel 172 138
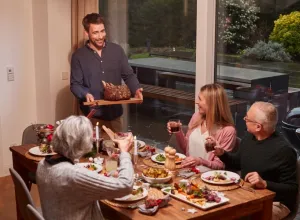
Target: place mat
pixel 32 157
pixel 124 204
pixel 216 187
pixel 153 193
pixel 150 163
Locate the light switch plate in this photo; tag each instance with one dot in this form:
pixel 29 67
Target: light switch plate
pixel 10 73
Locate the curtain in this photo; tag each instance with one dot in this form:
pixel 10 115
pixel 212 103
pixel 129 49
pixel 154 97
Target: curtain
pixel 79 9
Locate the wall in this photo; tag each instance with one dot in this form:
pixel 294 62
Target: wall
pixel 36 36
pixel 18 101
pixel 59 35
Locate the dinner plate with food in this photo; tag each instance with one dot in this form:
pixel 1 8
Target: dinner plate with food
pixel 156 175
pixel 138 192
pixel 41 151
pixel 161 158
pixel 90 166
pixel 220 177
pixel 192 194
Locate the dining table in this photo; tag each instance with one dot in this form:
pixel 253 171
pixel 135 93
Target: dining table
pixel 257 205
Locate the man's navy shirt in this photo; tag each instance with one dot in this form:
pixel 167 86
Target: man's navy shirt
pixel 88 70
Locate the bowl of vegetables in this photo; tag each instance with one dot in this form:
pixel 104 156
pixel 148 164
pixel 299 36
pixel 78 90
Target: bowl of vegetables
pixel 155 175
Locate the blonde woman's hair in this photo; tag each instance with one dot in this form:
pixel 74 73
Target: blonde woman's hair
pixel 219 111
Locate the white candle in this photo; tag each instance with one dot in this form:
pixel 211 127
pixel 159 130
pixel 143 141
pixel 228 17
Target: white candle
pixel 97 131
pixel 135 146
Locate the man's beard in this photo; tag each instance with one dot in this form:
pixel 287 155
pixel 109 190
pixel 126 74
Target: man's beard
pixel 96 45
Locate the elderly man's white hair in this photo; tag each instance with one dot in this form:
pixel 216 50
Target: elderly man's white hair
pixel 73 137
pixel 266 114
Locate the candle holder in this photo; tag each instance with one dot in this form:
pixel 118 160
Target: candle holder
pixel 44 135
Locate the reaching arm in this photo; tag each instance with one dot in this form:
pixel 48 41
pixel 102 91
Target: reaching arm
pixel 232 160
pixel 76 81
pixel 98 186
pixel 226 140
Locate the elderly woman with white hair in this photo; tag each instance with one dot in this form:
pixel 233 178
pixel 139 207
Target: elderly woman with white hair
pixel 71 192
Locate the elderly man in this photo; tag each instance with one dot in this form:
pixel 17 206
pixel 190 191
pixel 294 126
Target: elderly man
pixel 265 158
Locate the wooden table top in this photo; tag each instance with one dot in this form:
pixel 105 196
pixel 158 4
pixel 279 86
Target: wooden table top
pixel 241 201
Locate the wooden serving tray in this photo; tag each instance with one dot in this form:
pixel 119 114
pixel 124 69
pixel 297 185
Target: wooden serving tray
pixel 105 102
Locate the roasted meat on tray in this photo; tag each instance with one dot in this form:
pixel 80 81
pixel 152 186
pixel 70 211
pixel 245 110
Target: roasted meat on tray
pixel 116 92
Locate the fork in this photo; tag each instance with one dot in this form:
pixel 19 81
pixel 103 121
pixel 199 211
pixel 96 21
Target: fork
pixel 240 184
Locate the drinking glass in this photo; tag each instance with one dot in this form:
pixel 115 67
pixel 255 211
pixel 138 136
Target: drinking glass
pixel 209 145
pixel 111 164
pixel 175 125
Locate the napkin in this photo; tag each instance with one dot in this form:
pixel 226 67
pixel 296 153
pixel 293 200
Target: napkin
pixel 159 203
pixel 185 174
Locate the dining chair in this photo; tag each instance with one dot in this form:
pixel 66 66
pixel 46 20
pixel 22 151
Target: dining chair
pixel 23 197
pixel 33 214
pixel 294 213
pixel 237 144
pixel 29 135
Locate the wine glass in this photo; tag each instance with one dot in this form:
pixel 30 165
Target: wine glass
pixel 174 127
pixel 209 145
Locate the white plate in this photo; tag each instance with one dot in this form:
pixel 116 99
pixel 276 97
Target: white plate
pixel 231 177
pixel 140 143
pixel 206 206
pixel 84 165
pixel 36 151
pixel 131 197
pixel 153 158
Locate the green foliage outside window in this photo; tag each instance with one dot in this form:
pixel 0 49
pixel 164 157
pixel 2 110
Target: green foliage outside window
pixel 287 32
pixel 236 23
pixel 271 51
pixel 162 23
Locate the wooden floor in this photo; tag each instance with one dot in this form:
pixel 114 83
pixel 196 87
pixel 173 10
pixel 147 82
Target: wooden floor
pixel 7 198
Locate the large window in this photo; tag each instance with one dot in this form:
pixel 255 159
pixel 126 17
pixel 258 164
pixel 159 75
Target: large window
pixel 160 39
pixel 258 51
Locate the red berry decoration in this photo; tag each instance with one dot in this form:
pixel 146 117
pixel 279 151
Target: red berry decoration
pixel 49 137
pixel 150 203
pixel 195 170
pixel 49 126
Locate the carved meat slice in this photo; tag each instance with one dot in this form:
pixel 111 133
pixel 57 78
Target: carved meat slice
pixel 115 92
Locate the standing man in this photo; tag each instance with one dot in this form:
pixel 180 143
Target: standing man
pixel 100 60
pixel 266 159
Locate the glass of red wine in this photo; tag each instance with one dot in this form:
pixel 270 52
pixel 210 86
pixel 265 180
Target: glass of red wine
pixel 174 125
pixel 209 145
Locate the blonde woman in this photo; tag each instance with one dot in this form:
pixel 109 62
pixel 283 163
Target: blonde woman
pixel 212 123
